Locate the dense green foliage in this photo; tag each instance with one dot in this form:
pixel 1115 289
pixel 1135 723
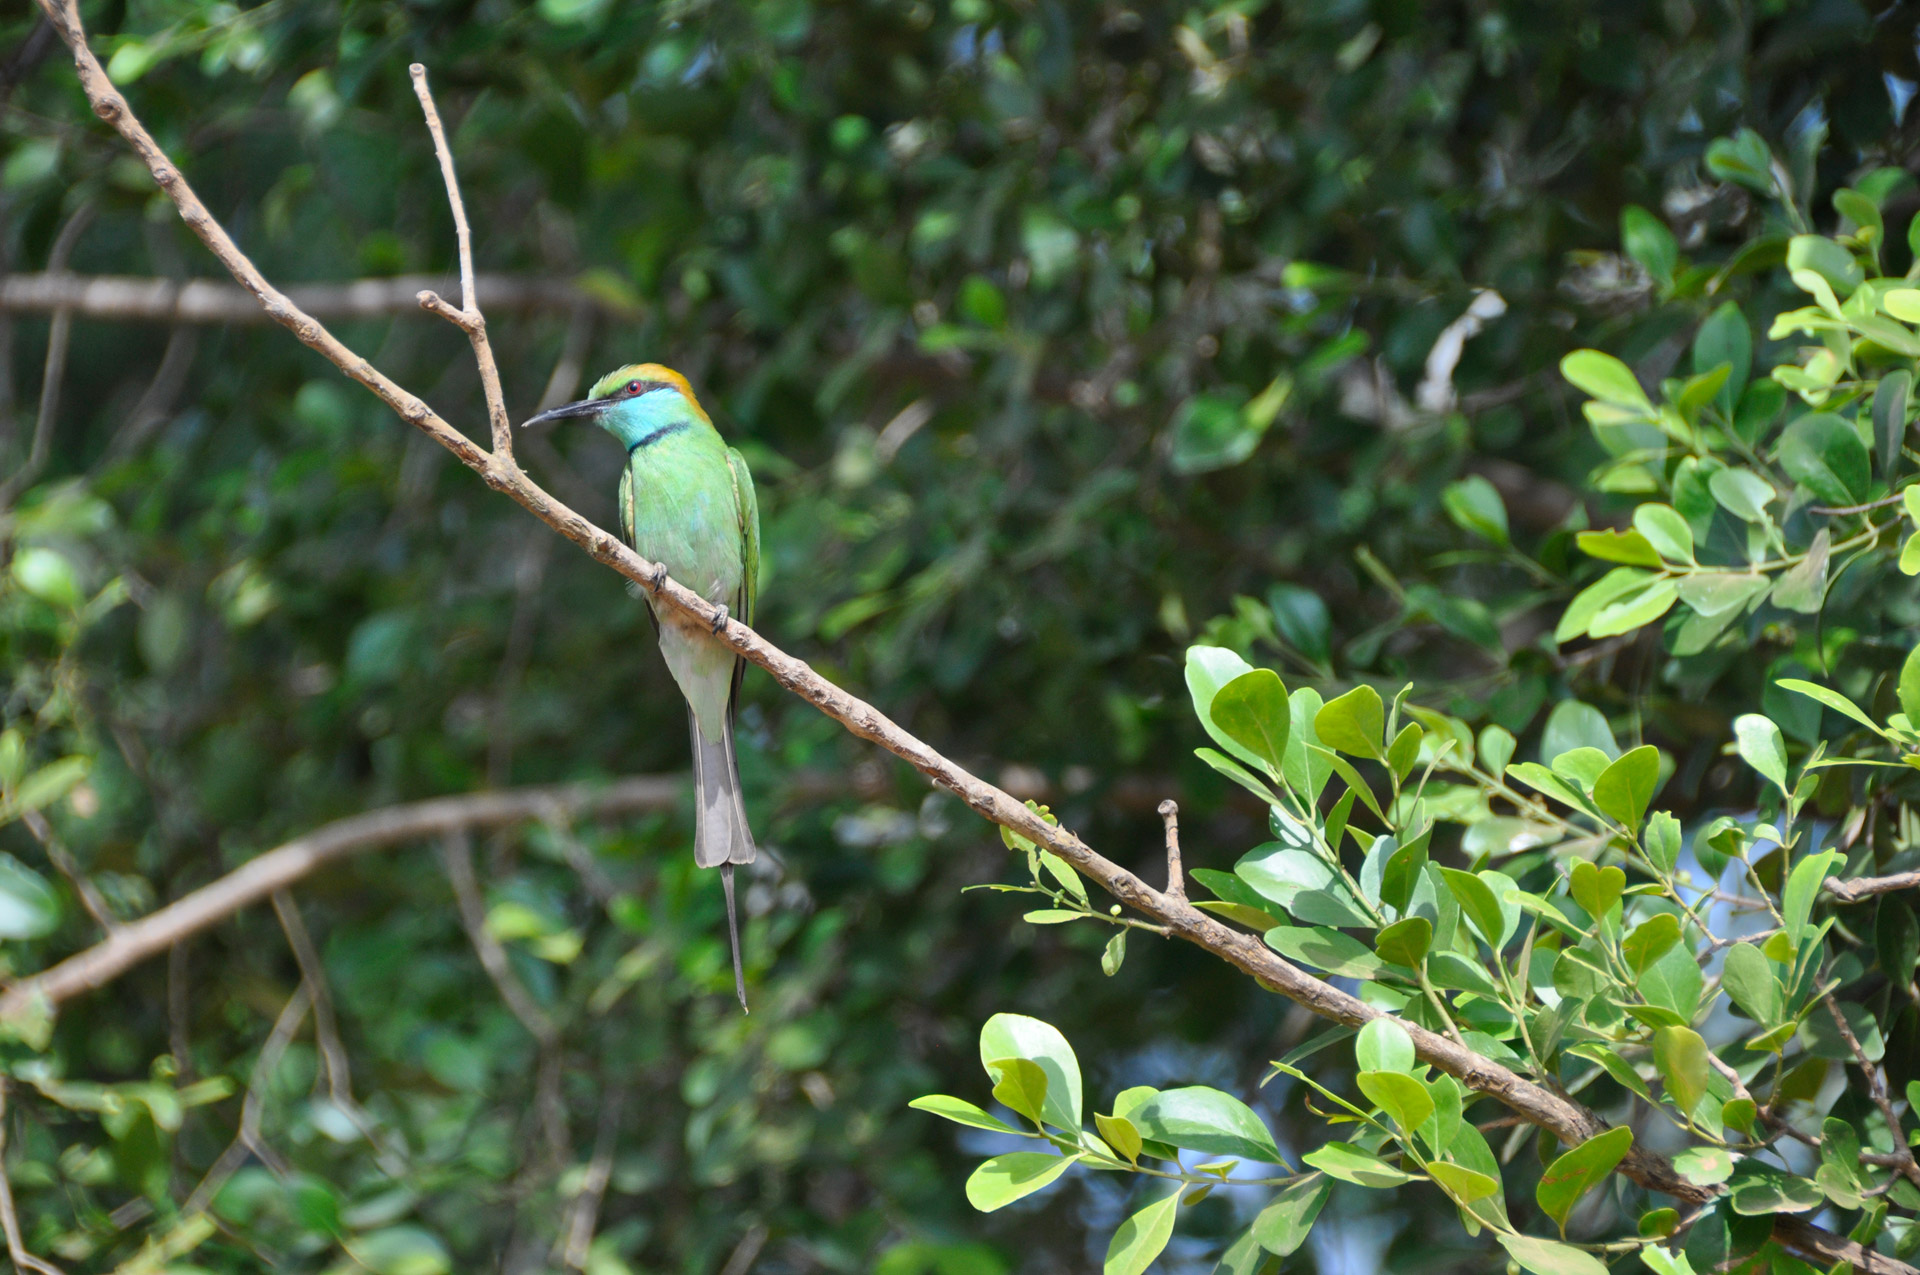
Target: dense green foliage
pixel 1061 339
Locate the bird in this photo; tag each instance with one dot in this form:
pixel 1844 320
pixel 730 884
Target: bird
pixel 687 504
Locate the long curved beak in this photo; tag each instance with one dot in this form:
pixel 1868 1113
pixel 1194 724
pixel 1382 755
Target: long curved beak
pixel 585 409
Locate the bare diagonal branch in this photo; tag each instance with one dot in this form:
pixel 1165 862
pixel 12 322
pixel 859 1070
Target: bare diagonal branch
pixel 259 878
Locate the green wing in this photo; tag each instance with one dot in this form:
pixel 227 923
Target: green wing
pixel 749 507
pixel 626 503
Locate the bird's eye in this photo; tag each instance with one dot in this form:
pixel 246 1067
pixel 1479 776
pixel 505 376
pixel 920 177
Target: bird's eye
pixel 633 387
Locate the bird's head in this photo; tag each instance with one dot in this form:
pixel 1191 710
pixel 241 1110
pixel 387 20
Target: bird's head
pixel 633 403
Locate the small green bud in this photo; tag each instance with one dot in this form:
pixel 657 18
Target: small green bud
pixel 1114 910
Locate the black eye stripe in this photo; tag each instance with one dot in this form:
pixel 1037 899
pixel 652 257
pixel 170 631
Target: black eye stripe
pixel 635 389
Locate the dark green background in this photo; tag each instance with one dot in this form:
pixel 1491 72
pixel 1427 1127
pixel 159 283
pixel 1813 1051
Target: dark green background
pixel 1082 235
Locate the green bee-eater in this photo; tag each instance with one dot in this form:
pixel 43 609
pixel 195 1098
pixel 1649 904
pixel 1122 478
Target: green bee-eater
pixel 687 503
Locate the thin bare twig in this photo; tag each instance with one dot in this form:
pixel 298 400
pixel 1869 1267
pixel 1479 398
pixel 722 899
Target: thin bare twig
pixel 136 941
pixel 1876 1089
pixel 456 852
pixel 1570 1122
pixel 1176 880
pixel 247 1140
pixel 10 1216
pixel 157 400
pixel 90 897
pixel 740 1261
pixel 1866 887
pixel 1870 506
pixel 469 319
pixel 59 335
pixel 144 299
pixel 585 1214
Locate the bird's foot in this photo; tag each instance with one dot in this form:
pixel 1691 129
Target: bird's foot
pixel 720 617
pixel 658 580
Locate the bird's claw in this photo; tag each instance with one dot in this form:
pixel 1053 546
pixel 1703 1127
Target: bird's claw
pixel 659 577
pixel 720 617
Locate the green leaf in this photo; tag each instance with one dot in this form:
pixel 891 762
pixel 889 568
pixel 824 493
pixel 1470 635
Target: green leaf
pixel 1704 1166
pixel 47 576
pixel 401 1250
pixel 1399 1095
pixel 1664 529
pixel 1595 889
pixel 1253 712
pixel 1306 769
pixel 1582 765
pixel 1475 507
pixel 1625 788
pixel 1455 972
pixel 1748 978
pixel 1404 751
pixel 29 908
pixel 1635 609
pixel 1349 1163
pixel 1803 887
pixel 1203 1119
pixel 1712 593
pixel 1352 723
pixel 1829 260
pixel 1302 621
pixel 1681 1056
pixel 1208 669
pixel 1648 241
pixel 1243 1257
pixel 1463 1184
pixel 1015 1175
pixel 1062 871
pixel 960 1111
pixel 1141 1237
pixel 1578 1171
pixel 1615 1066
pixel 1890 399
pixel 1760 744
pixel 1832 699
pixel 1591 600
pixel 1120 1133
pixel 1017 1036
pixel 1762 1191
pixel 1674 983
pixel 1725 340
pixel 1405 942
pixel 1742 493
pixel 1050 916
pixel 1282 1226
pixel 1896 940
pixel 1477 903
pixel 1909 685
pixel 1496 750
pixel 1115 953
pixel 50 783
pixel 1606 378
pixel 1650 941
pixel 1662 841
pixel 1824 454
pixel 1020 1085
pixel 1547 1257
pixel 1238 774
pixel 1629 547
pixel 1384 1045
pixel 1280 873
pixel 1330 950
